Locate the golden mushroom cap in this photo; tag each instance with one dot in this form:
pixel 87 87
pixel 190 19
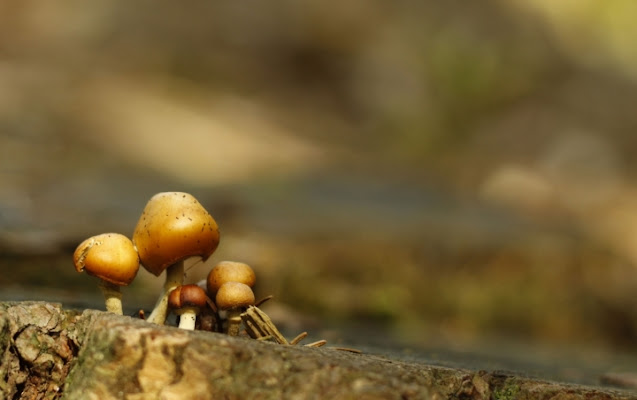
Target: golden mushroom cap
pixel 173 227
pixel 229 271
pixel 233 295
pixel 187 296
pixel 109 256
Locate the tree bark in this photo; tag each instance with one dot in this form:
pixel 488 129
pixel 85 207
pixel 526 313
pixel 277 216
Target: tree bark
pixel 38 342
pixel 48 353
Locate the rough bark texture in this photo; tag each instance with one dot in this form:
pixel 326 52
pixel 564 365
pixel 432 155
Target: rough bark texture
pixel 124 358
pixel 38 342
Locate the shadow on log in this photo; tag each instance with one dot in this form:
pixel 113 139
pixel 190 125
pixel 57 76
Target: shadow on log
pixel 49 353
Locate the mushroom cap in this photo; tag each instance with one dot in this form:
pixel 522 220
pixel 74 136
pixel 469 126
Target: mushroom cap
pixel 187 296
pixel 173 227
pixel 232 295
pixel 229 271
pixel 109 256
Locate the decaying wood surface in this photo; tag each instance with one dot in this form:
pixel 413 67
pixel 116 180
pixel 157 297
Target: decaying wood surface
pixel 50 353
pixel 39 342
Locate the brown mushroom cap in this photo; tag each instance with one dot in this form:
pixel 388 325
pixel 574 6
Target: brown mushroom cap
pixel 187 296
pixel 173 227
pixel 229 271
pixel 232 295
pixel 109 256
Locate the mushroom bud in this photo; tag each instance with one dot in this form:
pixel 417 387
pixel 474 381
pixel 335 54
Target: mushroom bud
pixel 186 301
pixel 112 258
pixel 229 271
pixel 173 227
pixel 234 298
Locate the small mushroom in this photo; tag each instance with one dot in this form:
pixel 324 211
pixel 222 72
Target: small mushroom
pixel 233 298
pixel 187 301
pixel 112 258
pixel 173 227
pixel 229 271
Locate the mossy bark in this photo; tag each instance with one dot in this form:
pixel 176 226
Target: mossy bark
pixel 49 353
pixel 38 343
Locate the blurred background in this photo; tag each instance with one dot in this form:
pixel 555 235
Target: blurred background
pixel 443 174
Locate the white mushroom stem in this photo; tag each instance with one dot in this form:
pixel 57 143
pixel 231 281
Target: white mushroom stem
pixel 188 317
pixel 112 297
pixel 234 322
pixel 174 278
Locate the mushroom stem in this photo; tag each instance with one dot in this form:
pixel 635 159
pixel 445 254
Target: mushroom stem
pixel 187 318
pixel 174 278
pixel 234 322
pixel 112 297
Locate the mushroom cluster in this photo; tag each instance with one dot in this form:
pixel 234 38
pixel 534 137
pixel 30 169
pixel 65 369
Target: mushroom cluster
pixel 173 227
pixel 230 284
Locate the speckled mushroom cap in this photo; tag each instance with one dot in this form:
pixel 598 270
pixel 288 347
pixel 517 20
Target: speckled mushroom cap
pixel 233 295
pixel 173 227
pixel 229 271
pixel 109 256
pixel 187 296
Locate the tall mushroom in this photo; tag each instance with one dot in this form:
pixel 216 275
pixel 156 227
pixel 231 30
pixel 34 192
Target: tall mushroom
pixel 234 298
pixel 112 258
pixel 173 227
pixel 229 271
pixel 186 301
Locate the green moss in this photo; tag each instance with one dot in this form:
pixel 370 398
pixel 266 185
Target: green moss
pixel 508 392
